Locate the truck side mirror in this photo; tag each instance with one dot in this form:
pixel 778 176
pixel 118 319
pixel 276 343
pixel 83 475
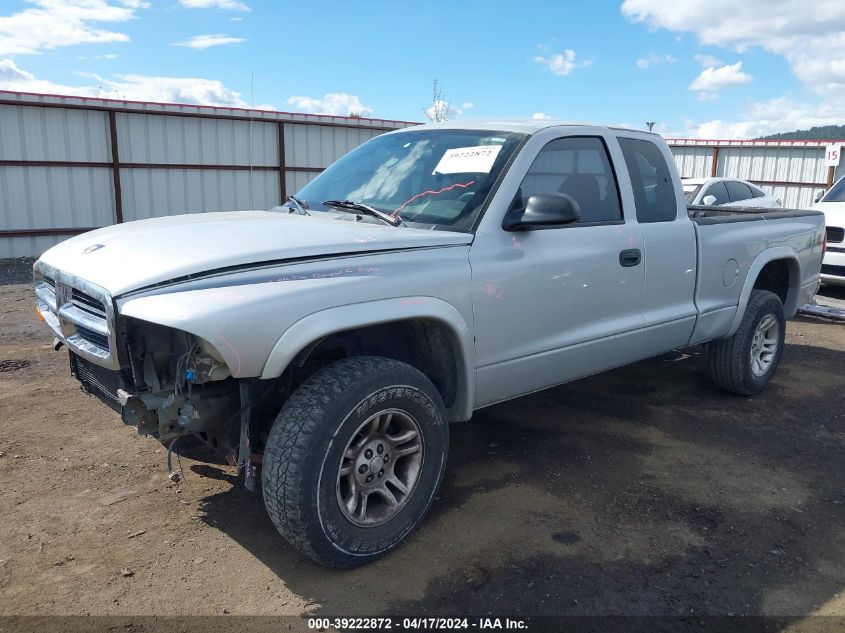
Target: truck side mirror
pixel 543 210
pixel 708 201
pixel 819 195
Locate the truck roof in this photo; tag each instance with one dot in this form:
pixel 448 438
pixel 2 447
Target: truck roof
pixel 525 126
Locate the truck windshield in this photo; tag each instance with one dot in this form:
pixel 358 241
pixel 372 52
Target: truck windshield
pixel 836 193
pixel 437 179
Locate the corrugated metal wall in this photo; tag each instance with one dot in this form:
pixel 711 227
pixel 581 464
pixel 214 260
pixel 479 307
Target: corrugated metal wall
pixel 68 164
pixel 792 171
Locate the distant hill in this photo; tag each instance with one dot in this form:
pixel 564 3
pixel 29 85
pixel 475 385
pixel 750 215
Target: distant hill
pixel 818 133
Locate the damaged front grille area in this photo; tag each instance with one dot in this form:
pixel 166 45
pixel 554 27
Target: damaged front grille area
pixel 99 381
pixel 81 314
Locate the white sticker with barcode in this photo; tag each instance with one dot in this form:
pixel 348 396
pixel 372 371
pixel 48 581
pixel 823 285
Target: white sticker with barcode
pixel 468 160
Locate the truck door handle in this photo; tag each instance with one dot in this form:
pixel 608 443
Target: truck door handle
pixel 630 257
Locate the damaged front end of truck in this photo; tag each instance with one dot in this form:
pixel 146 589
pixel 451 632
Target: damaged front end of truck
pixel 167 383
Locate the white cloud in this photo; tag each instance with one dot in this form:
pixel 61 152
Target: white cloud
pixel 811 37
pixel 712 80
pixel 54 23
pixel 468 105
pixel 237 18
pixel 106 56
pixel 562 63
pixel 337 103
pixel 226 5
pixel 175 90
pixel 707 61
pixel 540 116
pixel 193 90
pixel 201 42
pixel 653 59
pixel 17 79
pixel 768 117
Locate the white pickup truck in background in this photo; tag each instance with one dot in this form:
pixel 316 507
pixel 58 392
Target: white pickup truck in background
pixel 832 204
pixel 430 272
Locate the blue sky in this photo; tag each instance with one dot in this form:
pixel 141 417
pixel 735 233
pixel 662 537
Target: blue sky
pixel 697 68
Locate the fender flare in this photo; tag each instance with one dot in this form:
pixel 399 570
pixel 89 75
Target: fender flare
pixel 769 255
pixel 332 320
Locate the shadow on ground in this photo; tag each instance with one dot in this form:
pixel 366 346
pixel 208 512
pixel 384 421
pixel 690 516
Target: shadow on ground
pixel 832 292
pixel 640 491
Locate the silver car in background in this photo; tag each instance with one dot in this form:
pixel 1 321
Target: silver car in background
pixel 727 192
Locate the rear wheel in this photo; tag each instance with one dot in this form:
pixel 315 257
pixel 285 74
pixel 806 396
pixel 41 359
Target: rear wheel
pixel 745 362
pixel 354 459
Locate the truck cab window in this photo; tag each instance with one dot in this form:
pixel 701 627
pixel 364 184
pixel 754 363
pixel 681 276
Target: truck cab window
pixel 654 190
pixel 579 167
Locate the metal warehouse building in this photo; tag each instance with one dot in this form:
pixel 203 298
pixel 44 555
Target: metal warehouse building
pixel 792 171
pixel 70 164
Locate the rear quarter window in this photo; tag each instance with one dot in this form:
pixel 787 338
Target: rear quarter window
pixel 651 180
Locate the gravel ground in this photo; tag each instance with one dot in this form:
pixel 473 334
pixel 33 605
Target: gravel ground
pixel 640 491
pixel 16 270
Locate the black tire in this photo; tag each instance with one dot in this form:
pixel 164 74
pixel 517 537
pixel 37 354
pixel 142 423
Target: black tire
pixel 730 358
pixel 302 457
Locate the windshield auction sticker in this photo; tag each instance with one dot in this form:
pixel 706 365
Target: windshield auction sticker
pixel 466 160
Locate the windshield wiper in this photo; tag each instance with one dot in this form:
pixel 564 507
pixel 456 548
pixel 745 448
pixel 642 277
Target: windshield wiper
pixel 298 206
pixel 359 207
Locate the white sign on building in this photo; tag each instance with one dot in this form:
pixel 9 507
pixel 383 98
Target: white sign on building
pixel 832 155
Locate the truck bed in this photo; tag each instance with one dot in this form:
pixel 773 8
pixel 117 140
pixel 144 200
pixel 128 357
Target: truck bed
pixel 718 215
pixel 729 241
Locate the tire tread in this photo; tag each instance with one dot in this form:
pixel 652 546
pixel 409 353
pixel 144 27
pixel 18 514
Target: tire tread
pixel 286 460
pixel 725 355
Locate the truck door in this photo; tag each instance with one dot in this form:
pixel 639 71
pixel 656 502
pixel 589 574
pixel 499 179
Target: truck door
pixel 558 303
pixel 670 245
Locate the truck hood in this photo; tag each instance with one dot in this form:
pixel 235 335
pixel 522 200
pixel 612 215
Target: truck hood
pixel 126 257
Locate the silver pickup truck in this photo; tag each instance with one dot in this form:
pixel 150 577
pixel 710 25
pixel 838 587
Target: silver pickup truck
pixel 324 345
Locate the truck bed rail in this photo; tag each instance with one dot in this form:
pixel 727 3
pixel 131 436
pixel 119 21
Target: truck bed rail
pixel 702 214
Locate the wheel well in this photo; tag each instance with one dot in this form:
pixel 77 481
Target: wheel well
pixel 422 343
pixel 776 276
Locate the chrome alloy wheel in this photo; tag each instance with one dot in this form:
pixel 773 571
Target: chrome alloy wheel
pixel 380 468
pixel 764 345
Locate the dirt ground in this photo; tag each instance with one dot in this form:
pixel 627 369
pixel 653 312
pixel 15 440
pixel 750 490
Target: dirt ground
pixel 641 491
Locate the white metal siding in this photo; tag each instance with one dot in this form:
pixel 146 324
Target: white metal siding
pixel 307 146
pixel 27 246
pixel 151 193
pixel 792 171
pixel 38 197
pixel 45 197
pixel 28 133
pixel 294 181
pixel 186 141
pixel 693 162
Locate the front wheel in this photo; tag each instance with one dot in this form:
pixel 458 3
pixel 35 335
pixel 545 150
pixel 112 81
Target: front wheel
pixel 354 459
pixel 745 362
